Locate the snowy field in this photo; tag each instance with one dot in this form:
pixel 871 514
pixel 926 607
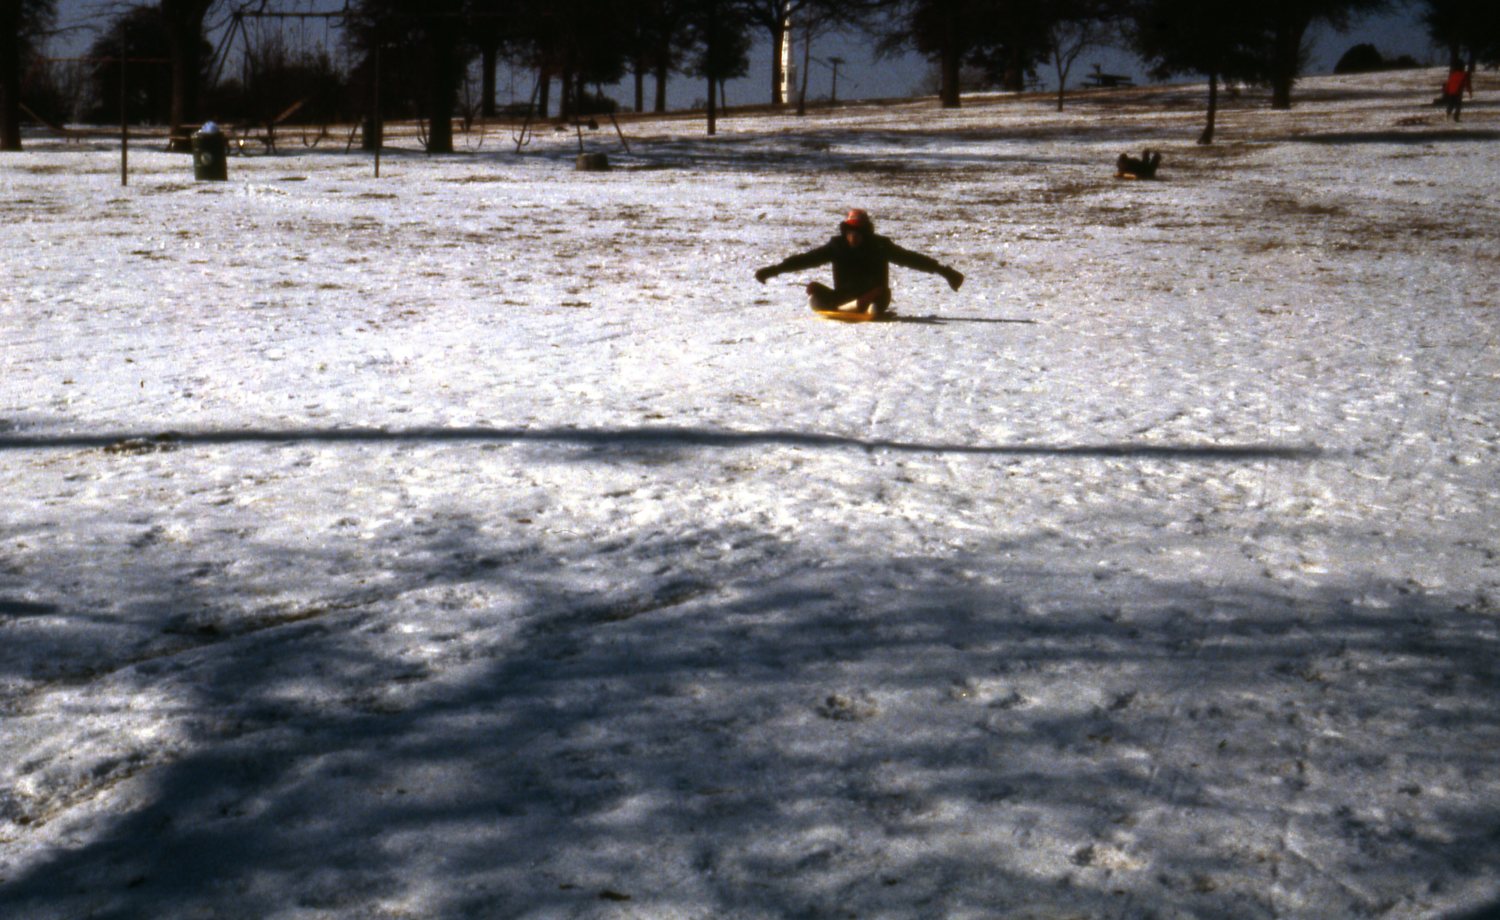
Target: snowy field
pixel 482 541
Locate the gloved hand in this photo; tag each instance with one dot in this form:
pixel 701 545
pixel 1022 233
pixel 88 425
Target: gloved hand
pixel 763 273
pixel 954 277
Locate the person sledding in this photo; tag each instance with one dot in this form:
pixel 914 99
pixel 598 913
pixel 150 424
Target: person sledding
pixel 861 261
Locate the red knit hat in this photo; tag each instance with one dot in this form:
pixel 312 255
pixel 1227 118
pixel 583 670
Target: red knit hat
pixel 858 219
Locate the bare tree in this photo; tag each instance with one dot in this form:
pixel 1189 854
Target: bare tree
pixel 1073 27
pixel 944 31
pixel 811 17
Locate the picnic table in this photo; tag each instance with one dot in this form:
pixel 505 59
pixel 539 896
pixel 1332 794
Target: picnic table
pixel 1101 80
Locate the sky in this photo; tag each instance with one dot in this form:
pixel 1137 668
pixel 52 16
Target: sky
pixel 862 74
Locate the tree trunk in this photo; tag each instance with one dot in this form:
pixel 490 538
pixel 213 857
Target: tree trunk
pixel 952 63
pixel 1064 68
pixel 806 71
pixel 640 86
pixel 488 60
pixel 713 115
pixel 184 26
pixel 443 89
pixel 373 133
pixel 1061 67
pixel 1207 137
pixel 544 94
pixel 661 88
pixel 1286 60
pixel 10 85
pixel 566 94
pixel 183 36
pixel 1015 71
pixel 710 56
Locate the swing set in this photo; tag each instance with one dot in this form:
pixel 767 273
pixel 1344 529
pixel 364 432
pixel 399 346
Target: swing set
pixel 258 43
pixel 523 135
pixel 264 49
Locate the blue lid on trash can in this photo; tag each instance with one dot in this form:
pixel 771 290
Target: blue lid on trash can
pixel 209 127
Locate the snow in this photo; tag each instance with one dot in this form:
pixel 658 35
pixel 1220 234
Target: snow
pixel 481 541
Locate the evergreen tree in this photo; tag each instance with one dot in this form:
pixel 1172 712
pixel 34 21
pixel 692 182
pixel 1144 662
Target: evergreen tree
pixel 1221 42
pixel 427 37
pixel 944 31
pixel 1006 39
pixel 720 37
pixel 139 34
pixel 22 26
pixel 1469 29
pixel 1014 40
pixel 494 31
pixel 1289 22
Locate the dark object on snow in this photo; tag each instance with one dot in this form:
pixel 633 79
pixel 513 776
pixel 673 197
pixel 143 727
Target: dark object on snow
pixel 1128 167
pixel 210 154
pixel 593 162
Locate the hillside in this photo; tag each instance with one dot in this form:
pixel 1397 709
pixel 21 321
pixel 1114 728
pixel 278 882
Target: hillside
pixel 482 541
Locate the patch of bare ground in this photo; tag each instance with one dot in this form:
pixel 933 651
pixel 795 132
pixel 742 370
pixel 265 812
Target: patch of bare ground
pixel 1344 229
pixel 1068 190
pixel 30 208
pixel 1213 157
pixel 1279 206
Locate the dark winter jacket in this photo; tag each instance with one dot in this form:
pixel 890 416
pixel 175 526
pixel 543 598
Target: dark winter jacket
pixel 857 269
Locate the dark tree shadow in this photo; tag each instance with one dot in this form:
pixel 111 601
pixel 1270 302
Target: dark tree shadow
pixel 764 734
pixel 659 436
pixel 1423 137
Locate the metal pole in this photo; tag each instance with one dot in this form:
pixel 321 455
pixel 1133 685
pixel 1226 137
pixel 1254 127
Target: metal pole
pixel 623 142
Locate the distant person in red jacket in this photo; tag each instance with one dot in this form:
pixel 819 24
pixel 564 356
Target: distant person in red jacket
pixel 861 262
pixel 1454 87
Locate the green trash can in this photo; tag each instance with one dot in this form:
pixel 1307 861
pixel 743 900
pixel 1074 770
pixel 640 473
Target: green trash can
pixel 210 154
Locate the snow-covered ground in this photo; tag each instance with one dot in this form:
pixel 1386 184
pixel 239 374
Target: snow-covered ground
pixel 482 541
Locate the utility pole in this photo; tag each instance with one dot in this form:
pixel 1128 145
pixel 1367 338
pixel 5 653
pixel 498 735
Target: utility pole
pixel 834 96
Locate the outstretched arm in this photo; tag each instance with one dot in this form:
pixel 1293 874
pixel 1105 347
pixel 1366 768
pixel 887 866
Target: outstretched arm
pixel 810 259
pixel 921 263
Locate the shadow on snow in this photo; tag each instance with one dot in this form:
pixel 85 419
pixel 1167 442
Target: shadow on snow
pixel 823 732
pixel 646 437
